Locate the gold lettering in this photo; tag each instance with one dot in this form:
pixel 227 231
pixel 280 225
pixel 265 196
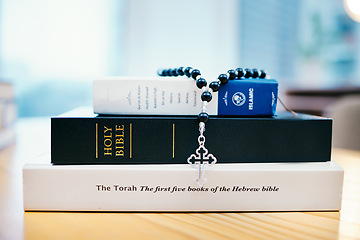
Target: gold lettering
pixel 120 153
pixel 109 136
pixel 119 140
pixel 119 128
pixel 107 151
pixel 107 129
pixel 107 141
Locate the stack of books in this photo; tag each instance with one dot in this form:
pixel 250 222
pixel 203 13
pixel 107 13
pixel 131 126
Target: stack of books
pixel 121 162
pixel 8 114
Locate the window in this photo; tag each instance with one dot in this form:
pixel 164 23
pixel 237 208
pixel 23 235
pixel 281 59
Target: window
pixel 52 50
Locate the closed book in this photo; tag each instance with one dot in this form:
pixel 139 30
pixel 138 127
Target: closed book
pixel 180 96
pixel 172 187
pixel 80 137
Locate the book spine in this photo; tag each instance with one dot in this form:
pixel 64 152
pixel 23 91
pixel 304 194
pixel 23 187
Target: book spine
pixel 180 96
pixel 141 140
pixel 113 188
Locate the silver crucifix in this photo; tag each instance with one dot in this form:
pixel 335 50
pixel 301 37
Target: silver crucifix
pixel 201 156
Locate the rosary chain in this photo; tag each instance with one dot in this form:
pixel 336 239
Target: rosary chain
pixel 206 97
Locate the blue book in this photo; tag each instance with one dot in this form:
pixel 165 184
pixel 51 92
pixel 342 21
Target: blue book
pixel 252 97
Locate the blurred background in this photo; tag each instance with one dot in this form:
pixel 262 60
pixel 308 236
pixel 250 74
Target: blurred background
pixel 50 51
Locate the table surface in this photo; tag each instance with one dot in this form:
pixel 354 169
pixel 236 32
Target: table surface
pixel 33 137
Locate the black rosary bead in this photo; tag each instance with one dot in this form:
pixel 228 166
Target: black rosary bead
pixel 167 72
pixel 223 78
pixel 247 73
pixel 200 83
pixel 232 74
pixel 215 86
pixel 187 71
pixel 174 72
pixel 195 73
pixel 180 71
pixel 262 74
pixel 203 117
pixel 206 96
pixel 239 72
pixel 255 73
pixel 161 72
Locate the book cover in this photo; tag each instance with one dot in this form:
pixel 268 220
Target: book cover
pixel 172 187
pixel 180 96
pixel 83 138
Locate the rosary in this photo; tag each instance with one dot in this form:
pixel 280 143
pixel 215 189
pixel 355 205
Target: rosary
pixel 202 157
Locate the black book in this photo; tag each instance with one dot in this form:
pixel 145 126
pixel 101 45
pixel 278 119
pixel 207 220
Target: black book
pixel 96 139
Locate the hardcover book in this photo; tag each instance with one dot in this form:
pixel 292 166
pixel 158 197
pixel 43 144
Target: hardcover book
pixel 171 187
pixel 85 138
pixel 180 96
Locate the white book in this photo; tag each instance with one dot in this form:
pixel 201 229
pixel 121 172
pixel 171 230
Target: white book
pixel 229 187
pixel 150 96
pixel 7 136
